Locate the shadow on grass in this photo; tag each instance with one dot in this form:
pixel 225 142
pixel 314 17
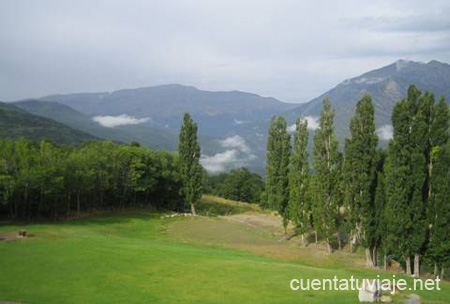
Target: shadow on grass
pixel 103 217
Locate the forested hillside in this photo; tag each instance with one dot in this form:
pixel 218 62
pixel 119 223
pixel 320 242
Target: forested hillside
pixel 15 123
pixel 155 138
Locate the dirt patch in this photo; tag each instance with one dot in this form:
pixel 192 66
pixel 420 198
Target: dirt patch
pixel 270 223
pixel 10 237
pixel 261 234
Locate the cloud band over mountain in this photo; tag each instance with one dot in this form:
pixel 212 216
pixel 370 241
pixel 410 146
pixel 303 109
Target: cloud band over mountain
pixel 120 120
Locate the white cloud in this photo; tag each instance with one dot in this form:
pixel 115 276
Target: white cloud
pixel 239 122
pixel 120 120
pixel 291 128
pixel 219 162
pixel 385 132
pixel 236 142
pixel 313 123
pixel 237 155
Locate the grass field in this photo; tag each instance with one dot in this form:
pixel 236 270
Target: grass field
pixel 144 258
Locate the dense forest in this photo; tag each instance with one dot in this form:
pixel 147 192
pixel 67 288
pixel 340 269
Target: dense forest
pixel 41 179
pixel 239 184
pixel 390 202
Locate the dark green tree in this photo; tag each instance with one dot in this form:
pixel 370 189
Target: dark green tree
pixel 380 236
pixel 239 184
pixel 360 175
pixel 299 202
pixel 407 174
pixel 190 169
pixel 438 211
pixel 277 168
pixel 439 242
pixel 327 167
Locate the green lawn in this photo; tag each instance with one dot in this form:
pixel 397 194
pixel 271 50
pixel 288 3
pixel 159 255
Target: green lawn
pixel 139 258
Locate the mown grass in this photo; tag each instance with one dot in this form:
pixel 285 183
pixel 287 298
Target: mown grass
pixel 141 258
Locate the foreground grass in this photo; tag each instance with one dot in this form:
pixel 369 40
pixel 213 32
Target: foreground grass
pixel 139 258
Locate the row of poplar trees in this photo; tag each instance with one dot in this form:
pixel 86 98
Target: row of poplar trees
pixel 390 202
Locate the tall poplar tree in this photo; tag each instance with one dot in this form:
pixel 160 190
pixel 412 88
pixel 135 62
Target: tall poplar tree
pixel 381 232
pixel 438 205
pixel 190 169
pixel 278 154
pixel 327 167
pixel 299 203
pixel 420 130
pixel 379 224
pixel 360 175
pixel 405 178
pixel 439 243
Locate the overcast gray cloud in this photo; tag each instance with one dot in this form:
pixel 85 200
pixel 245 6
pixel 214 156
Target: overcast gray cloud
pixel 292 50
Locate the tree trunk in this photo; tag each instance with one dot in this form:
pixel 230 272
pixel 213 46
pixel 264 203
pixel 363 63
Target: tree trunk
pixel 41 201
pixel 369 261
pixel 303 239
pixel 408 265
pixel 442 272
pixel 68 203
pixel 193 210
pixel 330 251
pixel 78 203
pixel 385 266
pixel 417 265
pixel 55 211
pixel 339 242
pixel 350 242
pixel 375 256
pixel 27 203
pixel 436 269
pixel 315 235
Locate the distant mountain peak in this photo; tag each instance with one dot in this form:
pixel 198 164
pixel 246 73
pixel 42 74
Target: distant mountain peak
pixel 403 63
pixel 400 66
pixel 386 85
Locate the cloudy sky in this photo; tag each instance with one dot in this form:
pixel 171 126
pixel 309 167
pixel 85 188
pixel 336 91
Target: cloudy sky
pixel 289 49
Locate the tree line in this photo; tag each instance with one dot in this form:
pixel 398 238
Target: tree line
pixel 392 201
pixel 42 179
pixel 239 184
pixel 46 180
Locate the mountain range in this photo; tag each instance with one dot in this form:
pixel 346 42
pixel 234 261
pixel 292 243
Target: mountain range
pixel 16 123
pixel 386 86
pixel 232 125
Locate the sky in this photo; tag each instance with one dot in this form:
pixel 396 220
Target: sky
pixel 289 49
